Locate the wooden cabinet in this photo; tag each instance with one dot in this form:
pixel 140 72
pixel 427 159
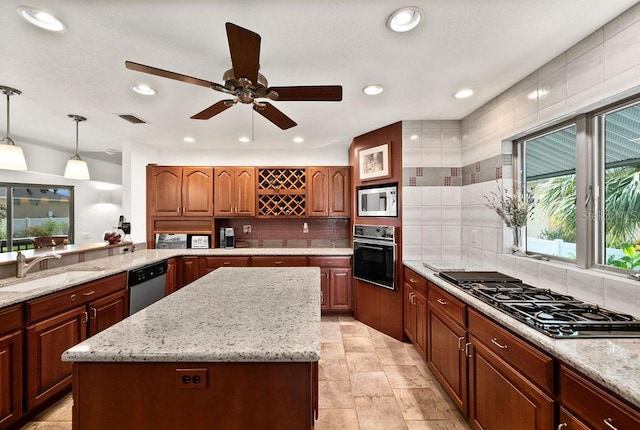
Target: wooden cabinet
pixel 212 263
pixel 235 192
pixel 446 348
pixel 336 276
pixel 329 192
pixel 569 422
pixel 180 191
pixel 189 270
pixel 281 192
pixel 495 382
pixel 591 405
pixel 58 321
pixel 415 310
pixel 11 374
pixel 171 280
pixel 278 261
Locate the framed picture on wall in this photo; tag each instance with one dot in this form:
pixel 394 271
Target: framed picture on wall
pixel 374 162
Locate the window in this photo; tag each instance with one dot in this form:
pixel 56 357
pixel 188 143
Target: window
pixel 618 204
pixel 550 181
pixel 34 216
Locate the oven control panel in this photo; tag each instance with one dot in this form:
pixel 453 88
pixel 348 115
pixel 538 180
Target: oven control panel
pixel 382 232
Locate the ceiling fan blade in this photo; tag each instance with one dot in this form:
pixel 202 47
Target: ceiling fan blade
pixel 244 46
pixel 326 93
pixel 167 74
pixel 214 109
pixel 269 111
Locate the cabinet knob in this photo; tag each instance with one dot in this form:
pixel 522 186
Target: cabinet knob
pixel 73 297
pixel 498 344
pixel 609 423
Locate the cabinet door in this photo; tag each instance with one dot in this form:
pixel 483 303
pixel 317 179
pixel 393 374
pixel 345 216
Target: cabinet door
pixel 223 194
pixel 197 191
pixel 325 280
pixel 339 192
pixel 446 356
pixel 341 292
pixel 171 280
pixel 107 311
pixel 278 261
pixel 213 263
pixel 409 313
pixel 500 397
pixel 189 268
pixel 165 190
pixel 245 191
pixel 421 325
pixel 318 202
pixel 568 422
pixel 47 374
pixel 10 378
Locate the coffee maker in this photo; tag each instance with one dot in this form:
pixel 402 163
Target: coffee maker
pixel 227 238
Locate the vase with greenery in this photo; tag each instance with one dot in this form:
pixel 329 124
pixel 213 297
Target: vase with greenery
pixel 514 210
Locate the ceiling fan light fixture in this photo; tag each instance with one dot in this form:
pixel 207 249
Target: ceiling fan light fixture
pixel 463 93
pixel 40 18
pixel 11 156
pixel 143 89
pixel 76 167
pixel 405 19
pixel 373 89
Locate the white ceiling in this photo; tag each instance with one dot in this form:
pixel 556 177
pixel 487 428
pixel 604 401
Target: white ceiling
pixel 484 44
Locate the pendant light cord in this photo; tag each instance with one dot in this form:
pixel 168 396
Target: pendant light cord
pixel 77 119
pixel 9 92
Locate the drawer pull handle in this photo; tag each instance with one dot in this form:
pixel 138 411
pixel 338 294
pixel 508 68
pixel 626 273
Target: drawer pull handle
pixel 95 313
pixel 86 317
pixel 442 302
pixel 467 350
pixel 609 423
pixel 460 340
pixel 413 281
pixel 277 262
pixel 89 293
pixel 562 425
pixel 498 344
pixel 73 297
pixel 226 263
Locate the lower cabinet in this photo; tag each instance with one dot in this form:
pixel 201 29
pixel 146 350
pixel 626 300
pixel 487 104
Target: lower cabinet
pixel 189 270
pixel 171 280
pixel 10 377
pixel 586 405
pixel 415 310
pixel 446 352
pixel 105 312
pixel 278 261
pixel 212 263
pixel 335 285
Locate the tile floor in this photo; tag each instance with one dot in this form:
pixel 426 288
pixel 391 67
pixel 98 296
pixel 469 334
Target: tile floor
pixel 367 381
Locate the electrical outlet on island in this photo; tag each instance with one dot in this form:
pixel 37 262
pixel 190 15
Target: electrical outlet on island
pixel 246 229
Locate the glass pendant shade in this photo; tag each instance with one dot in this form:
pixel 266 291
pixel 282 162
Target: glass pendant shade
pixel 76 167
pixel 12 157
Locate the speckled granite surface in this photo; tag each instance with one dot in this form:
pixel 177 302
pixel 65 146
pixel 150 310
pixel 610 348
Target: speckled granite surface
pixel 613 362
pixel 123 262
pixel 231 315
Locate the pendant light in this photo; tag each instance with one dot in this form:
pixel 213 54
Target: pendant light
pixel 76 168
pixel 11 156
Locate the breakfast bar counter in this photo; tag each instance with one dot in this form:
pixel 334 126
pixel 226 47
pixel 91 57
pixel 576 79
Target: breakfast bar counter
pixel 238 348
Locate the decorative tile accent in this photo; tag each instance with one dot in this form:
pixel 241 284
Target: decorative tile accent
pixel 507 159
pixel 477 167
pixel 447 181
pixel 473 178
pixel 419 171
pixel 498 172
pixel 412 181
pixel 82 257
pixel 455 171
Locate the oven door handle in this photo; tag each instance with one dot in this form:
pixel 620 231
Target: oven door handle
pixel 375 248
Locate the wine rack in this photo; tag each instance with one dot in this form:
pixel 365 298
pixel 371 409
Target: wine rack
pixel 282 192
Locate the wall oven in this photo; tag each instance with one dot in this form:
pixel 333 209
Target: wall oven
pixel 374 255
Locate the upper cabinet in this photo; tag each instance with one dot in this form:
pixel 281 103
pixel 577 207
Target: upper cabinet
pixel 180 191
pixel 235 193
pixel 329 192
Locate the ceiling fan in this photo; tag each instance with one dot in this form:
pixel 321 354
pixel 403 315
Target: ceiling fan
pixel 245 83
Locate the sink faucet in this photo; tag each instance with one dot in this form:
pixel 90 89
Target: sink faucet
pixel 22 266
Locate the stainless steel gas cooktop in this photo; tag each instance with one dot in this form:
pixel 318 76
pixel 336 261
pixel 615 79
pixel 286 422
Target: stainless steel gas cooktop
pixel 556 315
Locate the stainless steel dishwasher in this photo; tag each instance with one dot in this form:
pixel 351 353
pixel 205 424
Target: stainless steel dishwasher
pixel 146 285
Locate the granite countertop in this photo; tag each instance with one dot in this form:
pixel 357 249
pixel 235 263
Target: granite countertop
pixel 107 266
pixel 230 315
pixel 613 362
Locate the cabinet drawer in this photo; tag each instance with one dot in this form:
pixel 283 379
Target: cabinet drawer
pixel 10 318
pixel 58 302
pixel 211 263
pixel 593 405
pixel 330 261
pixel 447 304
pixel 538 367
pixel 416 281
pixel 284 261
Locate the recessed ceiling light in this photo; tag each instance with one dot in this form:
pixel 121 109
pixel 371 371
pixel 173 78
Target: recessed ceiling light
pixel 244 139
pixel 414 137
pixel 111 151
pixel 40 18
pixel 143 89
pixel 463 94
pixel 405 19
pixel 373 89
pixel 537 94
pixel 188 139
pixel 298 139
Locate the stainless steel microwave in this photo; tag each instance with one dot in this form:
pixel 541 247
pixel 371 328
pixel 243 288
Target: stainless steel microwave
pixel 378 201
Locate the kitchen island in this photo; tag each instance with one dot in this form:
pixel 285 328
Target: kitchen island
pixel 236 349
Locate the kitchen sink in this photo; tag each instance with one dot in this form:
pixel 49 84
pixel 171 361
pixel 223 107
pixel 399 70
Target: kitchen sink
pixel 50 281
